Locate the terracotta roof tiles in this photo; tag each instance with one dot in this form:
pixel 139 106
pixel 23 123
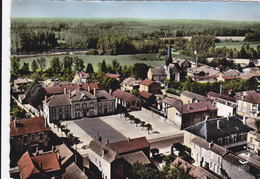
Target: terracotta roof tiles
pixel 120 94
pixel 138 156
pixel 145 94
pixel 147 82
pixel 253 98
pixel 28 126
pixel 109 75
pixel 195 107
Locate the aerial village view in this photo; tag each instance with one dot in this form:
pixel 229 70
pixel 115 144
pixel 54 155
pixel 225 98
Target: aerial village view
pixel 137 90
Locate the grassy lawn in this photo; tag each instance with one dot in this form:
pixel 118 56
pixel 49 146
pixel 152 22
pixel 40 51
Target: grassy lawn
pixel 151 59
pixel 237 45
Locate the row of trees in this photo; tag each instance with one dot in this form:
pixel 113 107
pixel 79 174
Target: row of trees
pixel 43 34
pixel 237 84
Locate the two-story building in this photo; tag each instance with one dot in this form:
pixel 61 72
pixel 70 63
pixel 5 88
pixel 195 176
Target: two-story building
pixel 229 132
pixel 127 100
pixel 129 84
pixel 81 77
pixel 105 162
pixel 150 86
pixel 157 74
pixel 28 134
pixel 167 103
pixel 249 106
pixel 226 105
pixel 190 97
pixel 253 145
pixel 189 114
pixel 148 99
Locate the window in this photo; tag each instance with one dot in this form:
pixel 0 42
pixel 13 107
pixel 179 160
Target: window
pixel 220 141
pixel 25 139
pixel 218 159
pixel 91 105
pixel 53 110
pixel 33 137
pixel 105 104
pixel 111 104
pixel 100 105
pixel 77 107
pixel 227 140
pixel 251 139
pixel 53 117
pixel 95 160
pixel 60 110
pixel 41 136
pixel 235 138
pixel 84 105
pixel 99 163
pixel 66 109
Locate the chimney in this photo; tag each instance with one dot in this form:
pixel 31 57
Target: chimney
pixel 69 93
pixel 103 153
pixel 88 88
pixel 110 91
pixel 185 167
pixel 129 139
pixel 244 120
pixel 15 122
pixel 206 118
pixel 94 93
pixel 218 124
pixel 65 90
pixel 211 144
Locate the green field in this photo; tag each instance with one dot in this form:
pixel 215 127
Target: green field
pixel 237 45
pixel 149 59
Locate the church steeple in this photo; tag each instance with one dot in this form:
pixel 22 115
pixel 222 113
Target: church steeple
pixel 169 56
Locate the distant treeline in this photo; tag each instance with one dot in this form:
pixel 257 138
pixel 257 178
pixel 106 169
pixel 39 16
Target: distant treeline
pixel 38 35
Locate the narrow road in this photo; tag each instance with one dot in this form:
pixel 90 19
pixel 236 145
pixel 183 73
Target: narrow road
pixel 165 142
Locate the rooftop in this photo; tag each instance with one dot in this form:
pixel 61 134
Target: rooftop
pixel 172 101
pixel 109 75
pixel 83 74
pixel 60 89
pixel 145 94
pixel 81 95
pixel 253 98
pixel 160 71
pixel 147 82
pixel 131 81
pixel 209 131
pixel 64 152
pixel 120 94
pixel 195 96
pixel 129 145
pixel 228 77
pixel 108 154
pixel 138 156
pixel 73 171
pixel 195 107
pixel 28 126
pixel 221 96
pixel 57 100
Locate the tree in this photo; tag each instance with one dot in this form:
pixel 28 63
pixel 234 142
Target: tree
pixel 67 64
pixel 104 66
pixel 90 68
pixel 140 70
pixel 251 84
pixel 34 66
pixel 143 124
pixel 257 124
pixel 149 127
pixel 76 141
pixel 15 65
pixel 25 68
pixel 35 93
pixel 137 121
pixel 55 65
pixel 115 65
pixel 42 63
pixel 78 64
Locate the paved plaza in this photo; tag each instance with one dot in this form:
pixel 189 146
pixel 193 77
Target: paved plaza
pixel 115 128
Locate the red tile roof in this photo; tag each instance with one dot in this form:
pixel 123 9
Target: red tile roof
pixel 145 94
pixel 138 156
pixel 253 98
pixel 221 67
pixel 109 75
pixel 92 86
pixel 47 162
pixel 200 64
pixel 195 107
pixel 229 77
pixel 147 82
pixel 30 166
pixel 57 100
pixel 122 95
pixel 60 89
pixel 129 145
pixel 28 126
pixel 26 166
pixel 221 96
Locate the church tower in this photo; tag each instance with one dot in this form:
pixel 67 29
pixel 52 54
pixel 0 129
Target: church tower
pixel 169 56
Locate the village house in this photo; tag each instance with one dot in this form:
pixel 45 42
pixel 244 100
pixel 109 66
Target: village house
pixel 197 172
pixel 190 97
pixel 148 99
pixel 232 72
pixel 28 134
pixel 129 84
pixel 253 139
pixel 167 103
pixel 81 76
pixel 19 86
pixel 226 105
pixel 229 132
pixel 228 77
pixel 249 106
pixel 157 74
pixel 189 114
pixel 105 162
pixel 40 166
pixel 127 100
pixel 77 104
pixel 150 86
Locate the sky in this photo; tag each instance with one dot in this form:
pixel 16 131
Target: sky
pixel 230 11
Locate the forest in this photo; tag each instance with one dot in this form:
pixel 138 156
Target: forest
pixel 132 35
